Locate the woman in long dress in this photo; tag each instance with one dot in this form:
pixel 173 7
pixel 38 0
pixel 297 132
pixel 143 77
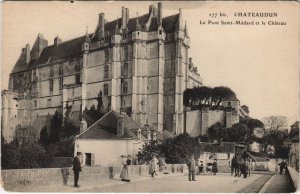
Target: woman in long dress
pixel 153 163
pixel 124 173
pixel 215 167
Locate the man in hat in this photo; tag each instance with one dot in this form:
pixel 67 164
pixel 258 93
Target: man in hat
pixel 76 169
pixel 191 163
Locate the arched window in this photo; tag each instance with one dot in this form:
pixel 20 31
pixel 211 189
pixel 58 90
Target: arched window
pixel 106 71
pixel 125 87
pixel 105 90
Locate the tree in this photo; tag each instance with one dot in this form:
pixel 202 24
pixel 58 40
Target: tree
pixel 55 127
pixel 44 137
pixel 25 134
pixel 252 125
pixel 274 132
pixel 218 94
pixel 236 133
pixel 216 131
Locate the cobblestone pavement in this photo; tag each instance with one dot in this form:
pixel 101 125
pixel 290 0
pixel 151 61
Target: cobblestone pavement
pixel 205 184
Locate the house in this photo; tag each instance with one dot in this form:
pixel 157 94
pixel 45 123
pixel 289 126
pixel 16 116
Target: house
pixel 294 146
pixel 104 142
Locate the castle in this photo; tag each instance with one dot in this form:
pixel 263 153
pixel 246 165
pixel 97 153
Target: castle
pixel 139 65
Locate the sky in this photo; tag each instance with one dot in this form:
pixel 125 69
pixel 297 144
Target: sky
pixel 260 63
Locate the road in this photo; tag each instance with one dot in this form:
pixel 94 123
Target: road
pixel 205 184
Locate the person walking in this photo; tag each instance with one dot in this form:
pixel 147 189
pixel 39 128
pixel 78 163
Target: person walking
pixel 153 164
pixel 215 167
pixel 282 165
pixel 124 173
pixel 191 163
pixel 76 169
pixel 233 165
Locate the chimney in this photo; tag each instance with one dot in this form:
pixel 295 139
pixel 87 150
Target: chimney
pixel 57 40
pixel 127 15
pixel 159 13
pixel 120 127
pixel 27 53
pixel 83 126
pixel 150 8
pixel 123 17
pixel 101 24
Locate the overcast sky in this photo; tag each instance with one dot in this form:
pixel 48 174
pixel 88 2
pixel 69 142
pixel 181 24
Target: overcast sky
pixel 260 63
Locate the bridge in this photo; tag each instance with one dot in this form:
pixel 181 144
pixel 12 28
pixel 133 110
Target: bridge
pixel 257 182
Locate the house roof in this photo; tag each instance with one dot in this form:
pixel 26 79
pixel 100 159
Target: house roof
pixel 161 136
pixel 257 157
pixel 225 147
pixel 106 128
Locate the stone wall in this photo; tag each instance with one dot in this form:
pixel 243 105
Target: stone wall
pixel 19 179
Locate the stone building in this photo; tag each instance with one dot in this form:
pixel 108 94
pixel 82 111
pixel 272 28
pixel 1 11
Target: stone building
pixel 139 65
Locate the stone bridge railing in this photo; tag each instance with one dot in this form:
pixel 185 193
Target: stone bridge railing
pixel 18 179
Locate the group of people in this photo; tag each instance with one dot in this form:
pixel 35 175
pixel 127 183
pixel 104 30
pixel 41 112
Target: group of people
pixel 194 165
pixel 240 166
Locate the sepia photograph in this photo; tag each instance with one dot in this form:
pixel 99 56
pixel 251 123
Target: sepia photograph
pixel 150 96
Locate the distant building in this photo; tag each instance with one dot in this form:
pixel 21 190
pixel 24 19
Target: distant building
pixel 294 146
pixel 139 65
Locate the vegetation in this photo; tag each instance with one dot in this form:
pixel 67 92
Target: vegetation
pixel 206 96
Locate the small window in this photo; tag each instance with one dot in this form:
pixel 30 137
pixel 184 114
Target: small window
pixel 228 104
pixel 105 90
pixel 88 159
pixel 126 52
pixel 125 87
pixel 77 79
pixel 51 71
pixel 61 71
pixel 106 52
pixel 51 85
pixel 125 70
pixel 61 83
pixel 49 103
pixel 35 104
pixel 106 71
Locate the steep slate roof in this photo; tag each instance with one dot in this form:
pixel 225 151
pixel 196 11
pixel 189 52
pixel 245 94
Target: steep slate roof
pixel 73 48
pixel 106 128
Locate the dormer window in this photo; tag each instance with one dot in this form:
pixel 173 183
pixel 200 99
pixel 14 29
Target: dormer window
pixel 124 35
pixel 77 66
pixel 106 38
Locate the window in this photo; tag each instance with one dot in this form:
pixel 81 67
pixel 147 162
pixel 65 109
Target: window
pixel 77 79
pixel 88 159
pixel 105 89
pixel 124 35
pixel 61 71
pixel 106 71
pixel 106 52
pixel 228 104
pixel 77 66
pixel 51 71
pixel 61 83
pixel 106 38
pixel 125 70
pixel 51 85
pixel 126 52
pixel 125 87
pixel 49 103
pixel 35 104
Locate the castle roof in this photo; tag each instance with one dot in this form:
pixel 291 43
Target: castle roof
pixel 73 48
pixel 106 128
